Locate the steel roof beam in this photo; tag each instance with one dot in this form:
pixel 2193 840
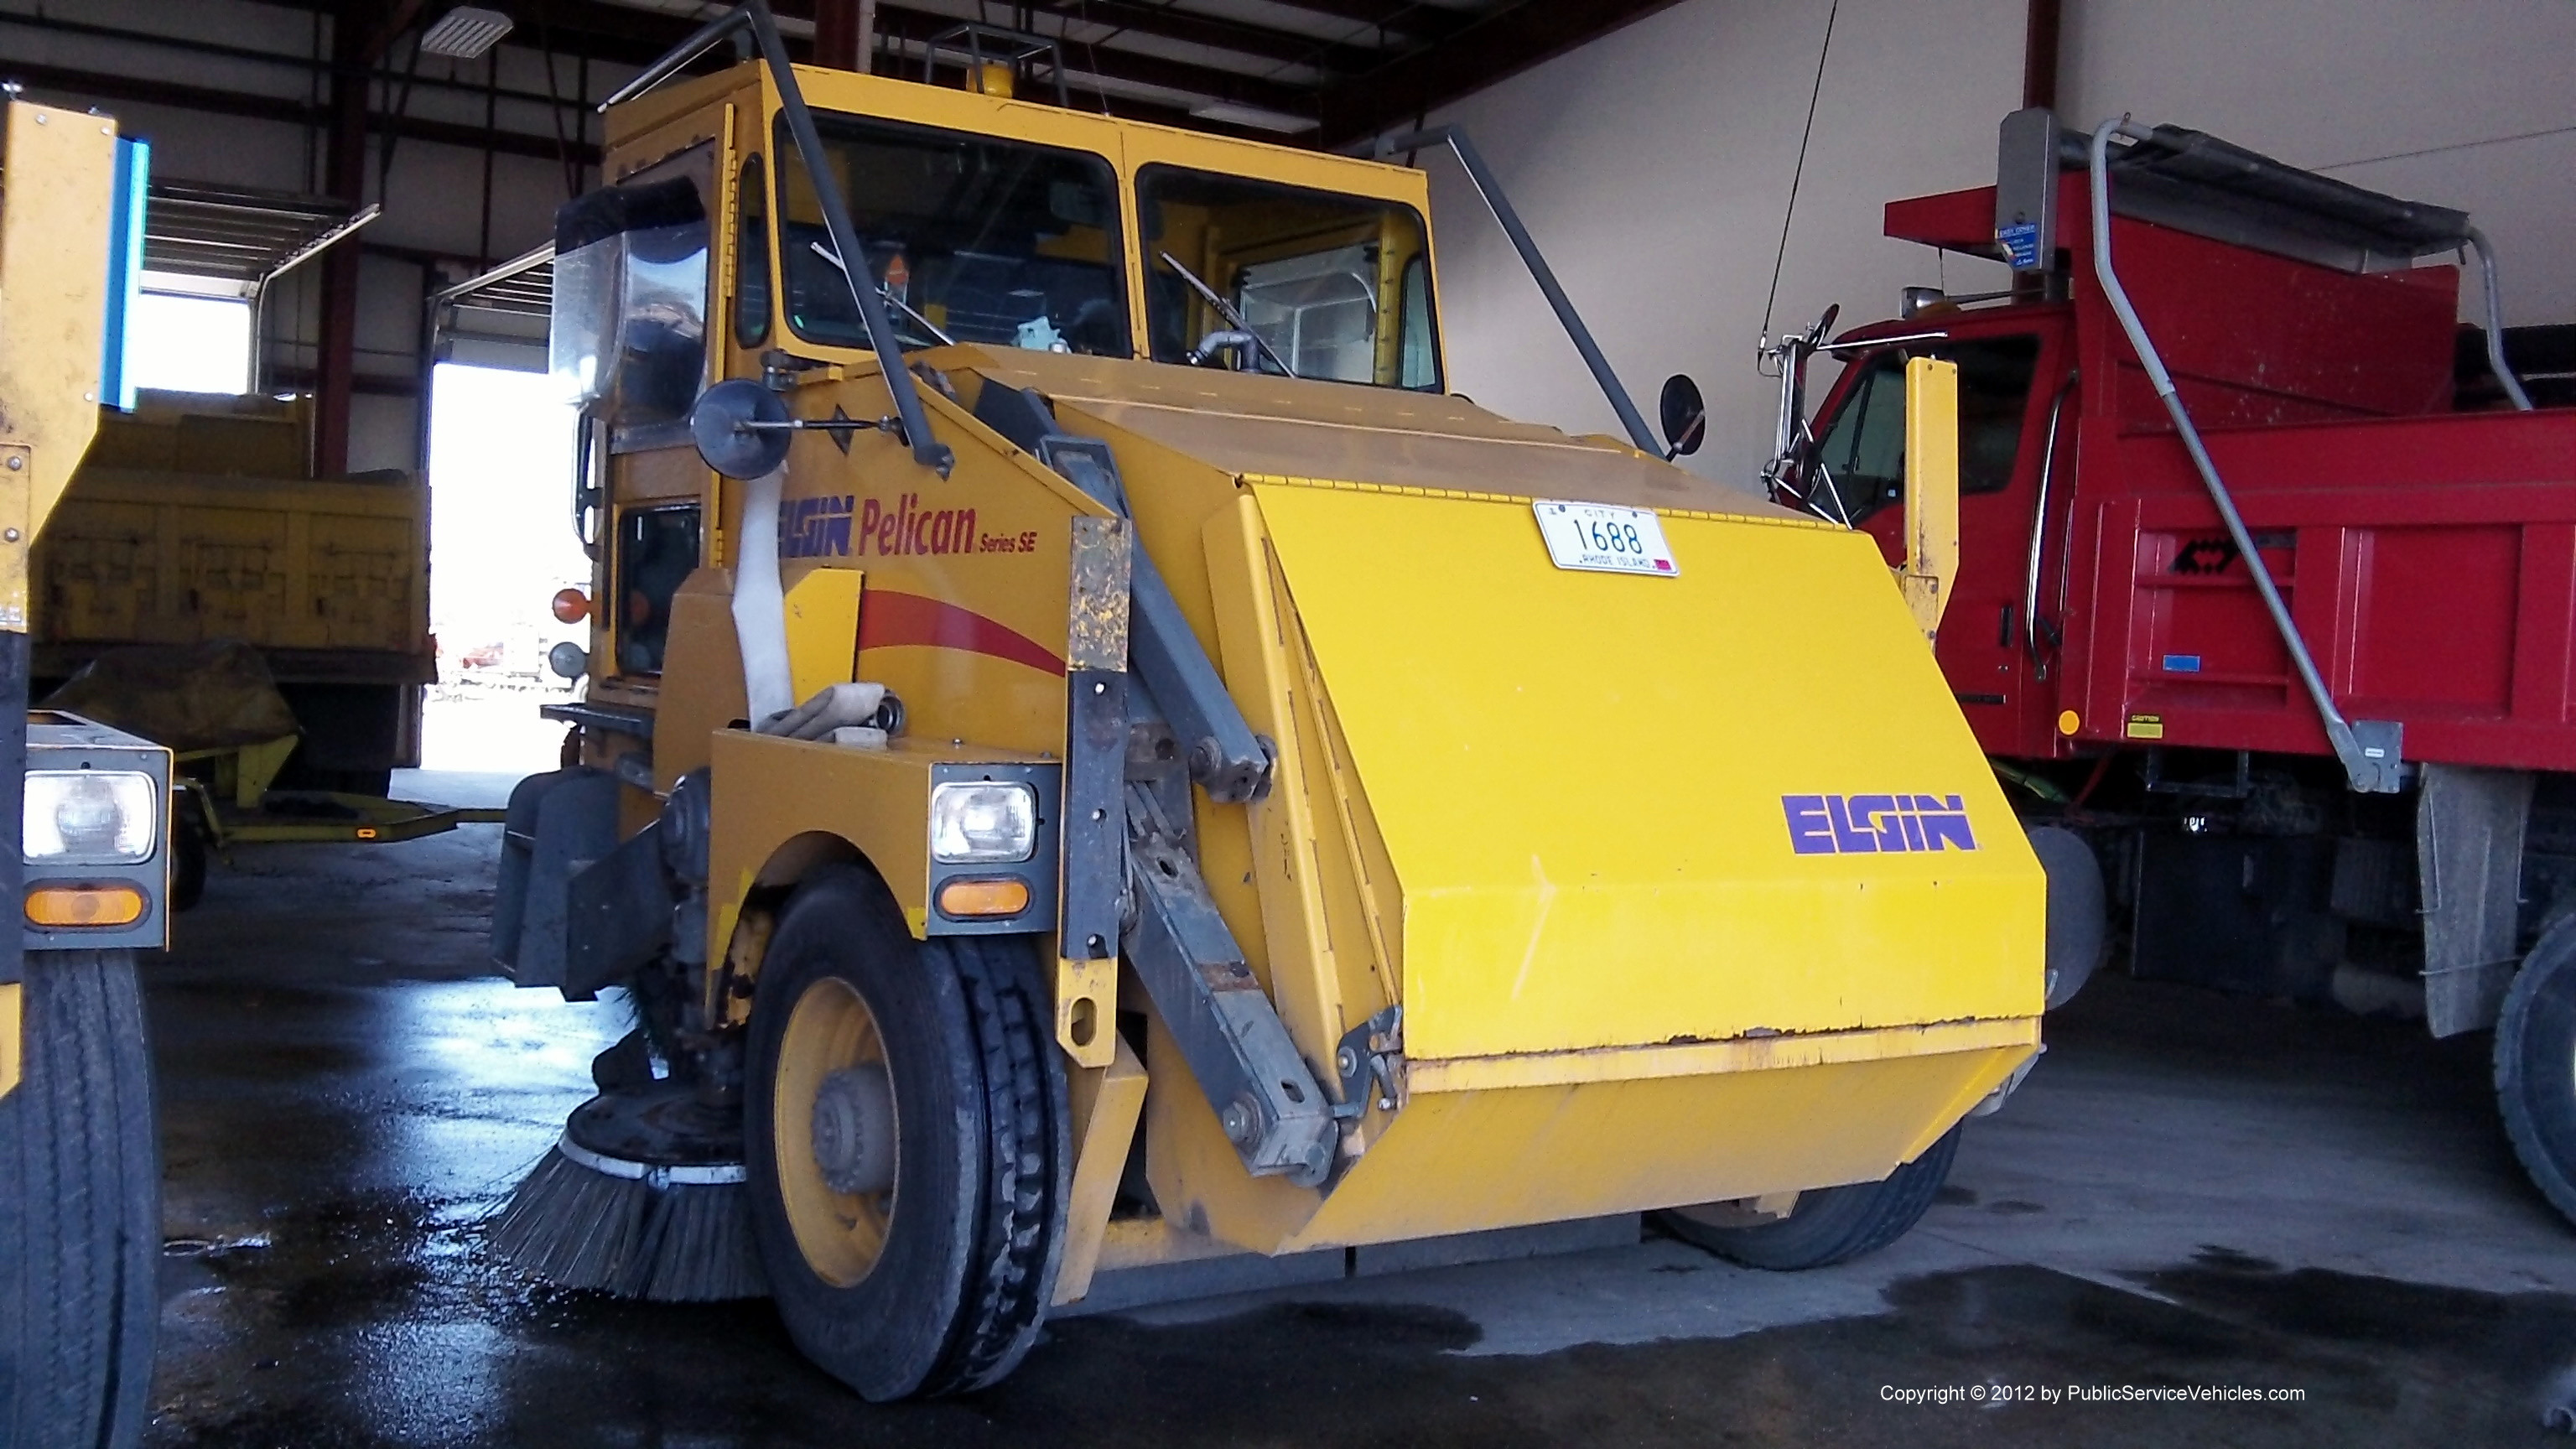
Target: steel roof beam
pixel 249 106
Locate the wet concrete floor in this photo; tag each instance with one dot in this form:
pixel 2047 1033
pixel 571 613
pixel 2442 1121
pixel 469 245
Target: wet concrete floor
pixel 2191 1191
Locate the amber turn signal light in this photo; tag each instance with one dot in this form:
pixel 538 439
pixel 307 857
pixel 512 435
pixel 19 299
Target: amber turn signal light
pixel 571 606
pixel 84 905
pixel 984 896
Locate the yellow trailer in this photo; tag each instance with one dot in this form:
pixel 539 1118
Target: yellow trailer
pixel 1093 754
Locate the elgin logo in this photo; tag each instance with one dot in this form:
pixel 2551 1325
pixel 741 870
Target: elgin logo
pixel 907 529
pixel 1876 824
pixel 815 527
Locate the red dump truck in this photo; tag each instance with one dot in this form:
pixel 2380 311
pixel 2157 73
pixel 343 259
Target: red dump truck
pixel 2261 594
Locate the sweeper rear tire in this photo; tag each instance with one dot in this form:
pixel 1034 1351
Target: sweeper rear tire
pixel 938 1286
pixel 80 1211
pixel 1828 1226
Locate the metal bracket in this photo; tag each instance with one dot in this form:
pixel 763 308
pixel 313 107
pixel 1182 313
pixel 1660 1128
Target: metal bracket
pixel 1270 1105
pixel 1224 756
pixel 2157 784
pixel 1095 823
pixel 1367 1059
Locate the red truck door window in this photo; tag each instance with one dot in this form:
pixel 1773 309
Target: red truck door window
pixel 1983 647
pixel 1863 450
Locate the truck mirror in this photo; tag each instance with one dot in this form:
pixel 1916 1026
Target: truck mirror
pixel 741 428
pixel 1685 416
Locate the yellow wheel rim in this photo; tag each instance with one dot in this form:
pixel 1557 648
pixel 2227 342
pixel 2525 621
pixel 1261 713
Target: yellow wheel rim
pixel 841 1234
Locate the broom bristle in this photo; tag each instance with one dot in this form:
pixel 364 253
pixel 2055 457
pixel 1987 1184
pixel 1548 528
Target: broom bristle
pixel 577 1227
pixel 698 1246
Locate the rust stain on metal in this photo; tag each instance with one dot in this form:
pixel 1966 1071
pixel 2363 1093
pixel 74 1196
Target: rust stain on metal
pixel 1102 562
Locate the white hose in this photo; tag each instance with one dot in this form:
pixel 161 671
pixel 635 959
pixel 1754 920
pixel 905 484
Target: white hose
pixel 837 707
pixel 760 601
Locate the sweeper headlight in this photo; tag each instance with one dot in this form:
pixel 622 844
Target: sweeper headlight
pixel 91 817
pixel 982 822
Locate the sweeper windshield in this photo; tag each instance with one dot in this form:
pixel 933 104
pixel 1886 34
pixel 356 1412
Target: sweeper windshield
pixel 985 239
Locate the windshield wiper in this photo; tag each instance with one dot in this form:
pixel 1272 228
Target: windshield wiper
pixel 1225 310
pixel 883 291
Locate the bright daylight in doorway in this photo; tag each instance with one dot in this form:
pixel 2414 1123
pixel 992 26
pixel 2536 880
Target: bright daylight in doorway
pixel 501 545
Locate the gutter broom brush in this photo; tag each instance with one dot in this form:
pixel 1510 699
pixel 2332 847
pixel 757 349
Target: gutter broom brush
pixel 643 1197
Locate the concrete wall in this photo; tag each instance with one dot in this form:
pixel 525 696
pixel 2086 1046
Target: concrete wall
pixel 1654 168
pixel 2462 104
pixel 1654 164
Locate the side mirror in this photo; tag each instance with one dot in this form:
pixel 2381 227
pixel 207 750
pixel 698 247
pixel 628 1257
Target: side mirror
pixel 741 428
pixel 1685 416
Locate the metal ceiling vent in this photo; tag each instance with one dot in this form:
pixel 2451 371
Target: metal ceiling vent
pixel 466 32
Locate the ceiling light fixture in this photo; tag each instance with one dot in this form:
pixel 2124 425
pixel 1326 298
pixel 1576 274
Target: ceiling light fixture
pixel 465 32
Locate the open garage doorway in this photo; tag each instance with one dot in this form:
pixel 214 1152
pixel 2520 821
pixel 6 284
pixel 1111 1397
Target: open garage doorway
pixel 501 443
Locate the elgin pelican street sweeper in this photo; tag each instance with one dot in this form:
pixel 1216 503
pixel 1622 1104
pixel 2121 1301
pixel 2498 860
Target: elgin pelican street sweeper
pixel 1092 759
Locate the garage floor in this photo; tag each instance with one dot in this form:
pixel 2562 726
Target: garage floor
pixel 2192 1190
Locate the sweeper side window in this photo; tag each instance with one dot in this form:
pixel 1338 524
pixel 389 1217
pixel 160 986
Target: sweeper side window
pixel 988 240
pixel 656 549
pixel 1863 446
pixel 1338 286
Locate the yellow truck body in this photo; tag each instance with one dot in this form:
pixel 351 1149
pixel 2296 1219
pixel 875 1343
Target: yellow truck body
pixel 1577 892
pixel 196 520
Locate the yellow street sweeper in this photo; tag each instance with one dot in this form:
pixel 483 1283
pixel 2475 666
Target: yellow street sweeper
pixel 1092 757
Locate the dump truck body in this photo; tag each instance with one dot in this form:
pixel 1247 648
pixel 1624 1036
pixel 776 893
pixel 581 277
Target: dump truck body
pixel 197 520
pixel 1372 872
pixel 2411 540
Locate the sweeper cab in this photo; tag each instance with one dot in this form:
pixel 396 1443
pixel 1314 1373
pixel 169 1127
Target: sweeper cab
pixel 1093 758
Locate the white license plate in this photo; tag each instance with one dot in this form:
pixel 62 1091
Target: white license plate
pixel 1604 539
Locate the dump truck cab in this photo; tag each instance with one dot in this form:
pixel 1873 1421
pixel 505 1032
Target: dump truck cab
pixel 1093 759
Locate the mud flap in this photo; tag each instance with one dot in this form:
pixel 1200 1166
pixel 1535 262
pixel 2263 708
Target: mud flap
pixel 558 823
pixel 619 915
pixel 2469 826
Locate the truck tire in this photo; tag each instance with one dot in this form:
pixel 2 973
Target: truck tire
pixel 2535 1066
pixel 1830 1225
pixel 937 1283
pixel 80 1211
pixel 187 860
pixel 2079 916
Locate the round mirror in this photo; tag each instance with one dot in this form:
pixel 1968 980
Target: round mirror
pixel 721 425
pixel 1685 416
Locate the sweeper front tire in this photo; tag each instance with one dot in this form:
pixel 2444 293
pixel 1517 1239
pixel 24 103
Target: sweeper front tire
pixel 80 1211
pixel 1827 1226
pixel 2535 1066
pixel 935 1285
